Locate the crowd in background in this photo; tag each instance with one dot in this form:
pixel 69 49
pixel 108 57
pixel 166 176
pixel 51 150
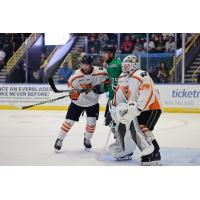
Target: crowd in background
pixel 133 42
pixel 9 43
pixel 126 43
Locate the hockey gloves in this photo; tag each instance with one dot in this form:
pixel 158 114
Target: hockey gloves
pixel 74 95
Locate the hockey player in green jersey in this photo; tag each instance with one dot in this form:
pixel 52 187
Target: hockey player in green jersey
pixel 114 70
pixel 113 67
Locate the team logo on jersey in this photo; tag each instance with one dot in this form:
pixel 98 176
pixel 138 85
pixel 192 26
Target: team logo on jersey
pixel 145 87
pixel 126 92
pixel 85 86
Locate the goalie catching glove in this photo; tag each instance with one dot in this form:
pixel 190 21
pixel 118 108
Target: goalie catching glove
pixel 125 112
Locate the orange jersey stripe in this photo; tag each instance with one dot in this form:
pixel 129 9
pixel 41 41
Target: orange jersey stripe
pixel 136 77
pixel 149 99
pixel 155 105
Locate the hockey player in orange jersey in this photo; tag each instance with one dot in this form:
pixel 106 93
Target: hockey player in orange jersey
pixel 86 78
pixel 136 109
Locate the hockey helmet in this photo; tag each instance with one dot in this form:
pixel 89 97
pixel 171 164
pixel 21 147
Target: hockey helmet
pixel 87 59
pixel 108 48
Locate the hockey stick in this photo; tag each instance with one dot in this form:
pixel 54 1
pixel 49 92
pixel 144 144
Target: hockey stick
pixel 53 87
pixel 43 102
pixel 52 100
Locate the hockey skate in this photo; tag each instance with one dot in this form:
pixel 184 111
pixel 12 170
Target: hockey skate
pixel 87 144
pixel 153 159
pixel 58 145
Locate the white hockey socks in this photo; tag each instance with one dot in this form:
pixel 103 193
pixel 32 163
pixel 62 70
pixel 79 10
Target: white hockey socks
pixel 90 127
pixel 66 126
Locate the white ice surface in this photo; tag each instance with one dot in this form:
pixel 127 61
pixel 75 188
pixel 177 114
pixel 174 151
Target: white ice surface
pixel 27 138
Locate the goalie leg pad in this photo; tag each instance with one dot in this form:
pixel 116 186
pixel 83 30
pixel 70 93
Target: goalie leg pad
pixel 122 133
pixel 117 150
pixel 141 140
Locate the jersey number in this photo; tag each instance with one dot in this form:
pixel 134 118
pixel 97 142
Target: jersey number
pixel 114 83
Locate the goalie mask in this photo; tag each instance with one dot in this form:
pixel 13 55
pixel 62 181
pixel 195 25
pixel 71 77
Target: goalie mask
pixel 130 64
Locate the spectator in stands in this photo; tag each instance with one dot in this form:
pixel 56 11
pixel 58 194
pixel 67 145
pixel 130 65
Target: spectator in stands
pixel 8 49
pixel 112 39
pixel 127 45
pixel 150 46
pixel 93 50
pixel 35 77
pixel 18 75
pixel 137 42
pixel 93 43
pixel 43 64
pixel 153 71
pixel 103 39
pixel 141 36
pixel 138 49
pixel 77 55
pixel 160 45
pixel 64 73
pixel 166 36
pixel 170 45
pixel 162 74
pixel 80 49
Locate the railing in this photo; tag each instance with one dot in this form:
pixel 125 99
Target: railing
pixel 188 45
pixel 194 77
pixel 21 51
pixel 68 58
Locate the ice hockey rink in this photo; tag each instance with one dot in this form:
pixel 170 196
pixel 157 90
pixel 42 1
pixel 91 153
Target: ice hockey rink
pixel 27 138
